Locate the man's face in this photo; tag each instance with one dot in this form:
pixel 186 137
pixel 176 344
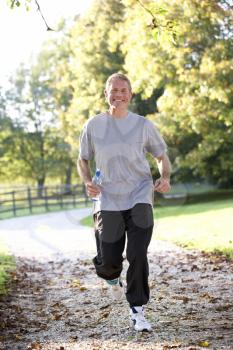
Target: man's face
pixel 118 94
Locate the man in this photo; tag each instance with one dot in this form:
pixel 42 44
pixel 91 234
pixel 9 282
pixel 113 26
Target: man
pixel 118 140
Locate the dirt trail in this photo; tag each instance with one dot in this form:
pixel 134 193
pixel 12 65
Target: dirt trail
pixel 60 304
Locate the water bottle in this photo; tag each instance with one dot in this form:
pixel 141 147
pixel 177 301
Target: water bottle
pixel 97 180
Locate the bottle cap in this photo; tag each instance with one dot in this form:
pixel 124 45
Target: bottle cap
pixel 97 173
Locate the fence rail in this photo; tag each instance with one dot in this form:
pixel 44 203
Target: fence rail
pixel 30 200
pixel 46 197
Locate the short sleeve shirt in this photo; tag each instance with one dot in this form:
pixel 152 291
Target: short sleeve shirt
pixel 119 146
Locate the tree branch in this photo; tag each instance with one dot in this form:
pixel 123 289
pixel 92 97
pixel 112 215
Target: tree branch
pixel 146 9
pixel 38 8
pixel 154 23
pixel 12 3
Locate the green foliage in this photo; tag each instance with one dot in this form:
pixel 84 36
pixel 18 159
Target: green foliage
pixel 36 148
pixel 95 54
pixel 178 55
pixel 201 91
pixel 195 111
pixel 6 127
pixel 18 3
pixel 7 264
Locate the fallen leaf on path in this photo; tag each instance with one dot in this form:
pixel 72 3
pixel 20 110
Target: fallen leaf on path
pixel 204 344
pixel 104 306
pixel 224 307
pixel 182 297
pixel 18 337
pixel 75 283
pixel 56 317
pixel 36 346
pixel 82 288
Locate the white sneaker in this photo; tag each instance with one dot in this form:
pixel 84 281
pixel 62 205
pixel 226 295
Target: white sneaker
pixel 116 288
pixel 138 319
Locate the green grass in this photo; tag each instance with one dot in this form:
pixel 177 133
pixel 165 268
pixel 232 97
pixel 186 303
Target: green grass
pixel 7 264
pixel 192 188
pixel 205 226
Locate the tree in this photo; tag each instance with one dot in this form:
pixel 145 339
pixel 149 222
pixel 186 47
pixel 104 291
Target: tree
pixel 177 54
pixel 6 128
pixel 93 59
pixel 202 94
pixel 194 70
pixel 95 53
pixel 39 150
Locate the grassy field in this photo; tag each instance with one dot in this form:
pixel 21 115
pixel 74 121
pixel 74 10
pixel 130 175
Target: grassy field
pixel 6 264
pixel 205 226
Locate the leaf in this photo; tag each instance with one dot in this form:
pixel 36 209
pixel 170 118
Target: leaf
pixel 182 297
pixel 18 337
pixel 104 306
pixel 74 337
pixel 57 317
pixel 156 34
pixel 130 337
pixel 75 283
pixel 82 288
pixel 36 346
pixel 167 347
pixel 224 307
pixel 57 304
pixel 204 344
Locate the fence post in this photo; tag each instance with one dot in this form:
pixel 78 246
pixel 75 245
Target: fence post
pixel 61 199
pixel 74 196
pixel 46 199
pixel 29 200
pixel 85 194
pixel 57 195
pixel 13 203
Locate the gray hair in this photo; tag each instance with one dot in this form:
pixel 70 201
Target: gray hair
pixel 118 76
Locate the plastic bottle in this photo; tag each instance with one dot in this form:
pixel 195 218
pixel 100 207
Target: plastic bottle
pixel 97 180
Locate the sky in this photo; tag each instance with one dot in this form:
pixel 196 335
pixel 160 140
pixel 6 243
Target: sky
pixel 22 32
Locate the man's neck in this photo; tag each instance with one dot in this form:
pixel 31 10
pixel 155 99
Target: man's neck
pixel 118 113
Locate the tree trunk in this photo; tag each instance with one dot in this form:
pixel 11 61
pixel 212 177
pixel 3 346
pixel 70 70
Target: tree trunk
pixel 68 175
pixel 40 187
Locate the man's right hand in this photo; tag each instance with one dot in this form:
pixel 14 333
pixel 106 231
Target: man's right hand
pixel 92 189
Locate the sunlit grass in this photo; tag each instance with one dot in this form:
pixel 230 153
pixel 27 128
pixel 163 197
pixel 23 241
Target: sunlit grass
pixel 205 226
pixel 6 265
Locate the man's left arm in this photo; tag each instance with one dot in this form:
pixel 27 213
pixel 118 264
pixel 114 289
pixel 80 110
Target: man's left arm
pixel 162 184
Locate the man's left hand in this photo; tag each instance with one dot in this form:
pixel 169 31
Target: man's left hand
pixel 162 185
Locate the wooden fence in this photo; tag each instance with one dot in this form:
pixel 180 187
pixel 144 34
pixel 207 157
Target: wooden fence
pixel 34 199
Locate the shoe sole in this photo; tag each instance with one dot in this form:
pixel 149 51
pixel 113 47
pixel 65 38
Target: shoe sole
pixel 140 330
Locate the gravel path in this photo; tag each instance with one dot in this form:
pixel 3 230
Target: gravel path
pixel 49 236
pixel 57 303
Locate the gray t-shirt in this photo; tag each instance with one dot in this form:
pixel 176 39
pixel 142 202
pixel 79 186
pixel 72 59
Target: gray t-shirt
pixel 119 146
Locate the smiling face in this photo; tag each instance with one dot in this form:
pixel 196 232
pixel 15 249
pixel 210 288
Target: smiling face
pixel 118 94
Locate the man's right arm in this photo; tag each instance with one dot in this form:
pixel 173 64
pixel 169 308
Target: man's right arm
pixel 85 174
pixel 84 170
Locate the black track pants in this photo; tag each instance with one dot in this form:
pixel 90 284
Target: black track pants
pixel 111 228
